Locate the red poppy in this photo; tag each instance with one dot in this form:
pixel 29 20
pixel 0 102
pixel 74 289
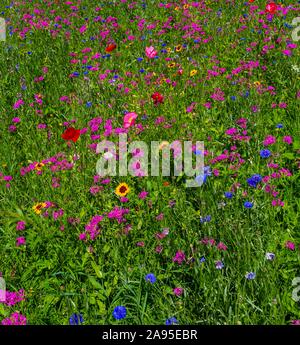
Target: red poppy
pixel 157 98
pixel 71 134
pixel 110 48
pixel 271 8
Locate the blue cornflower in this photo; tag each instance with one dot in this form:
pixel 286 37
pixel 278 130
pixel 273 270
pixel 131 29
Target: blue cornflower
pixel 280 125
pixel 119 312
pixel 76 319
pixel 205 219
pixel 201 179
pixel 228 195
pixel 202 259
pixel 254 180
pixel 142 70
pixel 76 74
pixel 140 59
pixel 248 204
pixel 265 153
pixel 250 275
pixel 270 256
pixel 219 265
pixel 88 104
pixel 150 277
pixel 233 98
pixel 171 321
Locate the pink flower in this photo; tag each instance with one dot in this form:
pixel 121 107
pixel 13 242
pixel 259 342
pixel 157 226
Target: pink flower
pixel 288 139
pixel 290 245
pixel 143 195
pixel 129 119
pixel 221 246
pixel 18 103
pixel 20 225
pixel 150 52
pixel 20 241
pixel 269 140
pixel 178 291
pixel 179 257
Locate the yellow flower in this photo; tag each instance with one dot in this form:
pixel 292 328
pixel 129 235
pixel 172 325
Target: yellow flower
pixel 178 48
pixel 177 8
pixel 37 208
pixel 172 64
pixel 169 50
pixel 122 189
pixel 257 83
pixel 39 166
pixel 186 6
pixel 193 72
pixel 163 144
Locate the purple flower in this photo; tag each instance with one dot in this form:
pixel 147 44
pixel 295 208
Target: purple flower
pixel 119 312
pixel 150 277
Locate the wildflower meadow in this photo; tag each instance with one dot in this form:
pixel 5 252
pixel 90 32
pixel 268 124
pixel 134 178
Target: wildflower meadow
pixel 92 230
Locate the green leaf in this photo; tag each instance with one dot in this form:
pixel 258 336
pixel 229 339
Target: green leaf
pixel 97 270
pixel 94 282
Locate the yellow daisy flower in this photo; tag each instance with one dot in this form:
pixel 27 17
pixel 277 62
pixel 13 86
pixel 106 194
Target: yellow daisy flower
pixel 39 166
pixel 172 64
pixel 178 48
pixel 193 72
pixel 37 208
pixel 122 189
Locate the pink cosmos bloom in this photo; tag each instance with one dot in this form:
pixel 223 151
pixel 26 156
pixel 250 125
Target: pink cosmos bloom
pixel 129 119
pixel 150 52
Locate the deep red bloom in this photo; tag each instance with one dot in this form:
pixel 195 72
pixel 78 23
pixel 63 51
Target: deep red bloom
pixel 110 48
pixel 71 134
pixel 271 8
pixel 157 98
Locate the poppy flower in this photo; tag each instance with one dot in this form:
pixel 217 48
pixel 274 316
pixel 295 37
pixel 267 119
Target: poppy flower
pixel 110 48
pixel 157 98
pixel 71 134
pixel 271 8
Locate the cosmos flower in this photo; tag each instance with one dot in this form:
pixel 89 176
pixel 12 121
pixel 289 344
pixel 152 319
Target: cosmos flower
pixel 150 52
pixel 129 119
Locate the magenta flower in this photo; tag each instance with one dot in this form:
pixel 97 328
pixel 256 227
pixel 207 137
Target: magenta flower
pixel 150 52
pixel 288 139
pixel 20 241
pixel 129 119
pixel 290 245
pixel 20 225
pixel 179 257
pixel 178 291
